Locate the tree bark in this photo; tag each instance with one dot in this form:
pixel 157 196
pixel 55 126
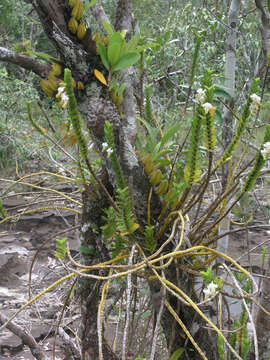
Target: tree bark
pixel 227 126
pixel 265 35
pixel 24 61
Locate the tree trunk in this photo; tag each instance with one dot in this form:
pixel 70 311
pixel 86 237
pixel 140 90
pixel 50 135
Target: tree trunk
pixel 265 35
pixel 227 126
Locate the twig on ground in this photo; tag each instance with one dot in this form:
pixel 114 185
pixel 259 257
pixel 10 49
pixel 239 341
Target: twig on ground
pixel 26 338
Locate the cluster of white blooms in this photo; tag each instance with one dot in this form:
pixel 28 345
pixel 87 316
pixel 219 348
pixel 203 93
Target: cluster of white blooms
pixel 105 147
pixel 210 290
pixel 64 100
pixel 266 150
pixel 201 95
pixel 256 102
pixel 208 108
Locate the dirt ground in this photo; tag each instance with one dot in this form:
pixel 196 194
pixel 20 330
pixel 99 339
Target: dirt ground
pixel 21 238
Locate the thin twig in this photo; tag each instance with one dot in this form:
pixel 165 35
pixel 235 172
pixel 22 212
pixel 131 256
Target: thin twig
pixel 27 338
pixel 247 310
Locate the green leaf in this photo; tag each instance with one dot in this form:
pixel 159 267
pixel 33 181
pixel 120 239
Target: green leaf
pixel 132 44
pixel 169 134
pixel 176 355
pixel 116 38
pixel 152 132
pixel 222 91
pixel 163 162
pixel 60 251
pixel 109 29
pixel 86 250
pixel 114 53
pixel 150 242
pixel 3 212
pixel 121 89
pixel 91 3
pixel 126 60
pixel 208 275
pixel 103 54
pixel 161 153
pixel 114 48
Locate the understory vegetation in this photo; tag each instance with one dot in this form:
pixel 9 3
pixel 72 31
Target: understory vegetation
pixel 157 142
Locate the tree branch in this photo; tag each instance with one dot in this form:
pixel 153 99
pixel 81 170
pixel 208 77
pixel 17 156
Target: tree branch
pixel 24 61
pixel 26 338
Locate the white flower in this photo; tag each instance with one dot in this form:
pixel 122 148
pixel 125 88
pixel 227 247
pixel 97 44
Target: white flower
pixel 104 146
pixel 210 290
pixel 256 102
pixel 65 100
pixel 209 108
pixel 266 150
pixel 61 90
pixel 109 152
pixel 201 95
pixel 255 99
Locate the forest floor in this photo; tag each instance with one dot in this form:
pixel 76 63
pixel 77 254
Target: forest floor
pixel 22 237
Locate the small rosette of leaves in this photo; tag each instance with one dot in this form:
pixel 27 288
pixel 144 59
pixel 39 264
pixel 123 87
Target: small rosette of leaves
pixel 74 115
pixel 114 223
pixel 171 198
pixel 118 54
pixel 242 339
pixel 125 219
pixel 109 229
pixel 241 125
pixel 150 242
pixel 60 251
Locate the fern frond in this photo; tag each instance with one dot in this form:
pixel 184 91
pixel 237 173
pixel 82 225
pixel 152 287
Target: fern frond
pixel 125 221
pixel 241 125
pixel 150 242
pixel 61 250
